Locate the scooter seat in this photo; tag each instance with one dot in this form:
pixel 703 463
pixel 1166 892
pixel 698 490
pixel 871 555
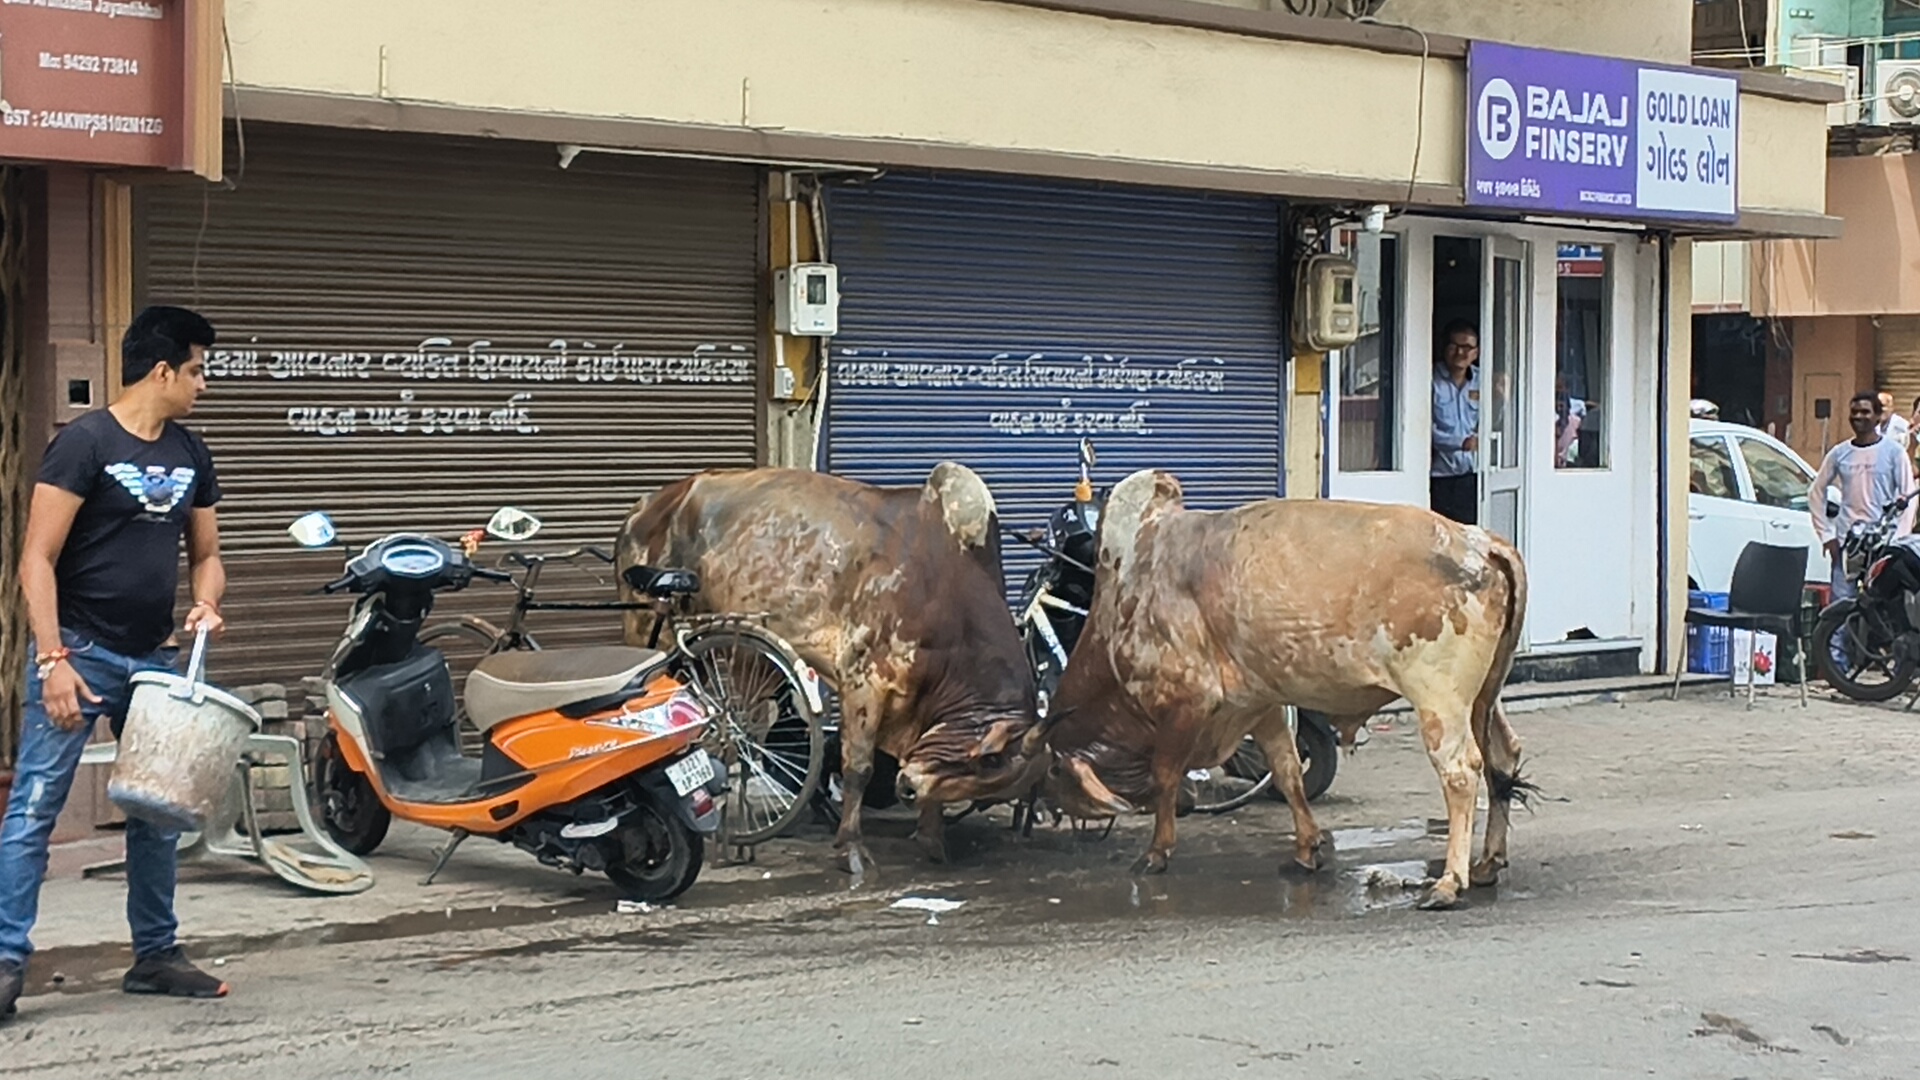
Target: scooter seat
pixel 514 684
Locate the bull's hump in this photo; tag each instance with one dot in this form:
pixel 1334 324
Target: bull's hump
pixel 966 504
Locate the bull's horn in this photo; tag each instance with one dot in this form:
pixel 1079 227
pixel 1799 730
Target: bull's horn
pixel 1095 790
pixel 1036 736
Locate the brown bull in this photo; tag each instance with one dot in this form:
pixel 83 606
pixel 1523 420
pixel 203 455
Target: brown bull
pixel 893 594
pixel 1205 626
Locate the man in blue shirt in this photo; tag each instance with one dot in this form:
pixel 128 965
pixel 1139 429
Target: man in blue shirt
pixel 1454 483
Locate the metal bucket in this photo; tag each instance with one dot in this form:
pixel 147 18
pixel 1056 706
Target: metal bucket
pixel 179 748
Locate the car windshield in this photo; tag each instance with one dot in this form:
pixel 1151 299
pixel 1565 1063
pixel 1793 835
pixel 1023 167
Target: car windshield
pixel 1712 469
pixel 1778 480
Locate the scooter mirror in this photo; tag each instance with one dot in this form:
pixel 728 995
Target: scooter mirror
pixel 510 523
pixel 313 530
pixel 1087 458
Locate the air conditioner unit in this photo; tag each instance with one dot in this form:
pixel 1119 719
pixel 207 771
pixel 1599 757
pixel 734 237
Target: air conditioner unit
pixel 1816 50
pixel 1896 93
pixel 1845 112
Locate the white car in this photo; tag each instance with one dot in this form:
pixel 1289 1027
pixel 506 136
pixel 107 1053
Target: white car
pixel 1745 485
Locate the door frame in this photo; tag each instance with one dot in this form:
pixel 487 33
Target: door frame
pixel 1626 485
pixel 1491 476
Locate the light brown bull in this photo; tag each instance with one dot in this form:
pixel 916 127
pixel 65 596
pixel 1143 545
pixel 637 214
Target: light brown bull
pixel 1206 624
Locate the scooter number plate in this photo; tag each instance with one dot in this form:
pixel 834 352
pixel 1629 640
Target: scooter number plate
pixel 690 773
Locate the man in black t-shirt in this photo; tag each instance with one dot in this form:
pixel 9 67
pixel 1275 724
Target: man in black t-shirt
pixel 119 491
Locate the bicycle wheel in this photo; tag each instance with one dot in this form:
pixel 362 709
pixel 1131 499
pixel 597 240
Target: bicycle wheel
pixel 464 642
pixel 1228 786
pixel 765 732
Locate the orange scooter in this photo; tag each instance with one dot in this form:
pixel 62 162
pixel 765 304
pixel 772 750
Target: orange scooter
pixel 590 760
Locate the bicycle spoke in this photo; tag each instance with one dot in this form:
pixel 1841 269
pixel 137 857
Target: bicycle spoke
pixel 761 730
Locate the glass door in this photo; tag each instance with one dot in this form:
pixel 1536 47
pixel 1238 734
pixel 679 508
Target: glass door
pixel 1505 314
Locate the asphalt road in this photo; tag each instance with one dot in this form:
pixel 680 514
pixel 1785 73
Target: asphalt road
pixel 1706 892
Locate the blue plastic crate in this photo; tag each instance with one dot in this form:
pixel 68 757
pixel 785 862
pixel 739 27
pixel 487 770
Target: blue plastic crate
pixel 1709 648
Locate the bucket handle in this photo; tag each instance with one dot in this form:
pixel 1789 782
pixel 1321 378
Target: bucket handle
pixel 196 667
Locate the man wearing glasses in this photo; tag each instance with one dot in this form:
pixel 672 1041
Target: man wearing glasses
pixel 1454 483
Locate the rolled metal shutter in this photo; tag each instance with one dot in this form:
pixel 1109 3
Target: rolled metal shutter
pixel 1899 359
pixel 416 331
pixel 995 323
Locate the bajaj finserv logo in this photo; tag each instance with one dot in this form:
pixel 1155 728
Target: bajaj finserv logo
pixel 1497 119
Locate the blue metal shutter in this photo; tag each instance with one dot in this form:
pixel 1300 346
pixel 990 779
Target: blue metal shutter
pixel 974 309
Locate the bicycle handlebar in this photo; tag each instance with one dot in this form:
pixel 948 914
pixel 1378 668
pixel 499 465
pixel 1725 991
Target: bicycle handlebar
pixel 1033 538
pixel 521 558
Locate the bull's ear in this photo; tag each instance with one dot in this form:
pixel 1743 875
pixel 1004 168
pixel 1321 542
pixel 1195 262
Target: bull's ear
pixel 996 739
pixel 1037 734
pixel 1095 790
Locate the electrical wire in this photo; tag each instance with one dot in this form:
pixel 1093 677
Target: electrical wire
pixel 1420 103
pixel 1746 38
pixel 239 122
pixel 230 183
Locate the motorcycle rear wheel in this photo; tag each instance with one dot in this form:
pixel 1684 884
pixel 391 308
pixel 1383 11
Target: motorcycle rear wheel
pixel 1867 649
pixel 1231 785
pixel 1319 757
pixel 1319 749
pixel 661 856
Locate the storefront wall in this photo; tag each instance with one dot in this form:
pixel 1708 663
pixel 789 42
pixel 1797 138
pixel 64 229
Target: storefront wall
pixel 1588 528
pixel 417 331
pixel 996 323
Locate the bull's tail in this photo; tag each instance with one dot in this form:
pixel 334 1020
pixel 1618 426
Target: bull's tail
pixel 1498 746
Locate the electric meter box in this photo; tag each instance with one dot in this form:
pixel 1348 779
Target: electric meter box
pixel 1326 312
pixel 806 300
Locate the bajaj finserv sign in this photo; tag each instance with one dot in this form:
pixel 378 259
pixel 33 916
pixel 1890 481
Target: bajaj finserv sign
pixel 1593 137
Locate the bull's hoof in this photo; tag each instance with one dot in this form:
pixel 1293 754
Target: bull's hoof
pixel 1323 852
pixel 1486 873
pixel 857 861
pixel 1153 862
pixel 1313 860
pixel 1443 896
pixel 936 849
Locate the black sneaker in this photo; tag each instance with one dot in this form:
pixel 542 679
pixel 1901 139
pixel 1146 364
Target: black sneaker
pixel 13 979
pixel 169 973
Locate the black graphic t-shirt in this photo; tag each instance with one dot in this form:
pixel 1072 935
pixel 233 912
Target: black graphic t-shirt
pixel 121 566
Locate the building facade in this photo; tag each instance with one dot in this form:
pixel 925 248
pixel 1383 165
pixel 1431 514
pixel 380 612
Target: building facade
pixel 1790 328
pixel 466 258
pixel 92 94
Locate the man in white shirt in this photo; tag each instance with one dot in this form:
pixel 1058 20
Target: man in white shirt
pixel 1870 472
pixel 1891 423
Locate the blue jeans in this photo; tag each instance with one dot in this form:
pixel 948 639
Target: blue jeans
pixel 1842 585
pixel 48 758
pixel 1842 590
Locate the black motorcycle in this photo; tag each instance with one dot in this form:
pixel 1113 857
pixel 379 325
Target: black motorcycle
pixel 1052 611
pixel 1868 645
